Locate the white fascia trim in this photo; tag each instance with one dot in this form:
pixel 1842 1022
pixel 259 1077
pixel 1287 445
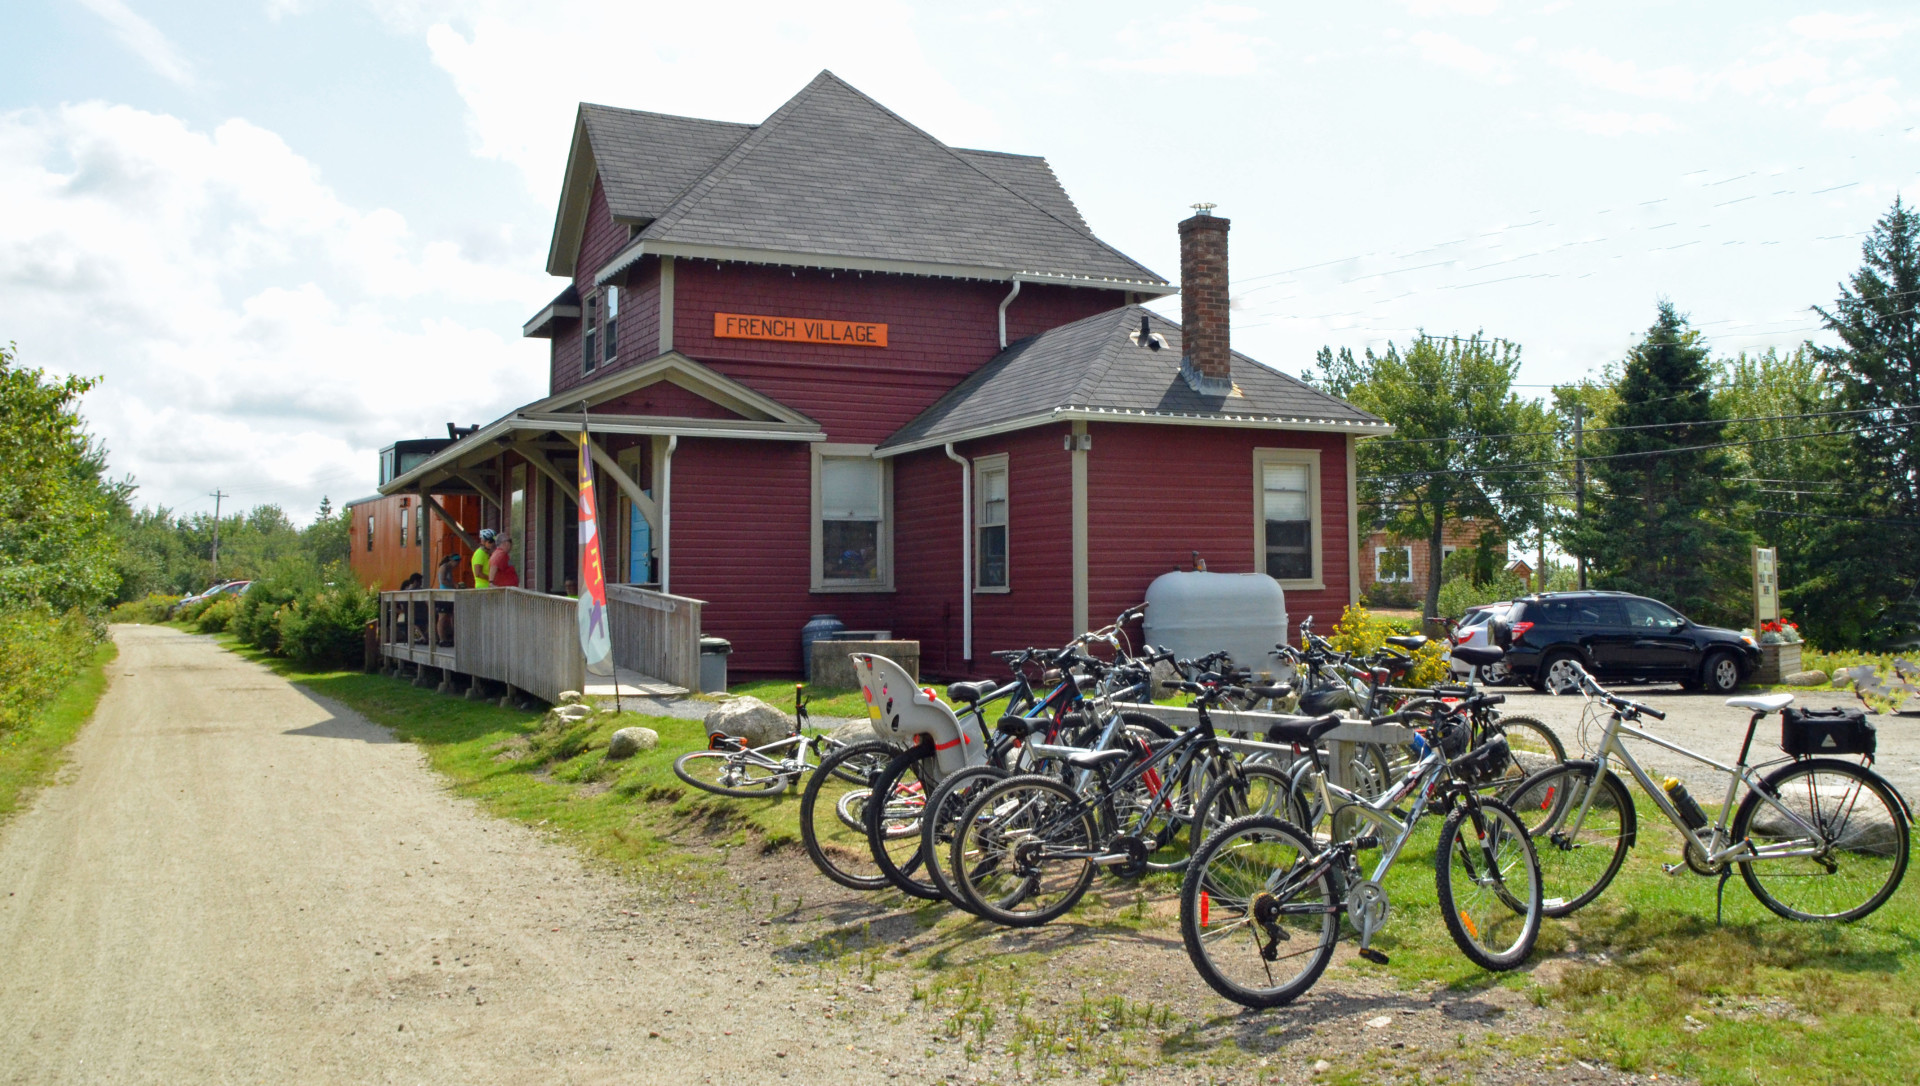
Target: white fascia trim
pixel 452 455
pixel 738 254
pixel 1095 414
pixel 538 325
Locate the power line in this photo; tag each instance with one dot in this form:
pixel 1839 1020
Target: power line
pixel 1639 426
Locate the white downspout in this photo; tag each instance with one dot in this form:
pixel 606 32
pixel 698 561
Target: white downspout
pixel 966 532
pixel 666 512
pixel 1004 303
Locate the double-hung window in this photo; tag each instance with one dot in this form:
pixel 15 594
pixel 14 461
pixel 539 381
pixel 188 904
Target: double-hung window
pixel 852 533
pixel 1393 564
pixel 610 340
pixel 1287 517
pixel 404 513
pixel 990 523
pixel 589 334
pixel 369 533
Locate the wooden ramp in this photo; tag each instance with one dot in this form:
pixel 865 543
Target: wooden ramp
pixel 632 684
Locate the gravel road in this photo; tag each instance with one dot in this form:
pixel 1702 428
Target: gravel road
pixel 235 881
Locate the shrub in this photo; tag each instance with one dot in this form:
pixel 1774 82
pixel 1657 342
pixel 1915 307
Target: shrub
pixel 1461 593
pixel 217 615
pixel 1397 595
pixel 147 610
pixel 327 628
pixel 1360 631
pixel 256 619
pixel 43 651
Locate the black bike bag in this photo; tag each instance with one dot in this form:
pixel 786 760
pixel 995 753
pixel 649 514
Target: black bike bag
pixel 1826 731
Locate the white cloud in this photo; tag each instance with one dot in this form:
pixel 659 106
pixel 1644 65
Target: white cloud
pixel 1859 105
pixel 1449 51
pixel 1451 7
pixel 1831 26
pixel 1191 45
pixel 143 39
pixel 255 332
pixel 1617 123
pixel 1675 81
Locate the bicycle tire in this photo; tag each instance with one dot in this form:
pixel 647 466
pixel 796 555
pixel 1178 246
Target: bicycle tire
pixel 1575 867
pixel 840 852
pixel 857 769
pixel 944 808
pixel 887 838
pixel 1876 842
pixel 1228 880
pixel 1257 788
pixel 1533 745
pixel 683 768
pixel 1502 844
pixel 996 879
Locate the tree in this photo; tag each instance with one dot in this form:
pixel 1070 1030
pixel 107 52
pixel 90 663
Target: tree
pixel 1868 582
pixel 1658 501
pixel 56 541
pixel 1464 445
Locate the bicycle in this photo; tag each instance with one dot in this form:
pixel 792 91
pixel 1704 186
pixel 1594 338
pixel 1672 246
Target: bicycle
pixel 728 767
pixel 1816 839
pixel 1259 875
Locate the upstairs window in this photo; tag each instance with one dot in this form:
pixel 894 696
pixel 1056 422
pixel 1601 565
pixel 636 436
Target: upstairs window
pixel 1286 512
pixel 369 533
pixel 589 340
pixel 990 523
pixel 404 512
pixel 609 336
pixel 852 536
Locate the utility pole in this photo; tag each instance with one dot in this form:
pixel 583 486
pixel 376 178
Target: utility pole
pixel 1579 481
pixel 216 496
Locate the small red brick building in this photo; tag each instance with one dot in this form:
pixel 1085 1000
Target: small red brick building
pixel 1387 559
pixel 831 364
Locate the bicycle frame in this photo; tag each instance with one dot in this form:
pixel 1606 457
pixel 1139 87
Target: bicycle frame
pixel 1739 773
pixel 1189 746
pixel 1416 781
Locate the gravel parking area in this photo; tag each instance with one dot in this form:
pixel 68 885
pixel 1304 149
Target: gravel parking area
pixel 1704 723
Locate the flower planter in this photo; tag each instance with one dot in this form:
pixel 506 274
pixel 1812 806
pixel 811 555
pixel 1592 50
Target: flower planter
pixel 1777 662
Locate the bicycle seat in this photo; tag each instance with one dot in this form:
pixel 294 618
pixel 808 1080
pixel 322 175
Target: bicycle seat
pixel 1477 655
pixel 1303 729
pixel 1279 691
pixel 1410 642
pixel 969 692
pixel 1098 759
pixel 1019 727
pixel 1761 703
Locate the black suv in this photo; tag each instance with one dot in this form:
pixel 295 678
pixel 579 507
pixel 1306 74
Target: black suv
pixel 1619 636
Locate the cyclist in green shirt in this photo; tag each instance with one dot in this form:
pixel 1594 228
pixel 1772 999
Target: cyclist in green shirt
pixel 481 556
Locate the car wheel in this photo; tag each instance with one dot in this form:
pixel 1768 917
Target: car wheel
pixel 1721 675
pixel 1558 673
pixel 1494 674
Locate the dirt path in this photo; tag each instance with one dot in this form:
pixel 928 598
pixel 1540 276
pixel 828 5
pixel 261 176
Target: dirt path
pixel 237 882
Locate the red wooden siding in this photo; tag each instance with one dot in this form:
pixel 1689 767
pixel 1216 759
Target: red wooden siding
pixel 664 398
pixel 939 331
pixel 390 561
pixel 1157 493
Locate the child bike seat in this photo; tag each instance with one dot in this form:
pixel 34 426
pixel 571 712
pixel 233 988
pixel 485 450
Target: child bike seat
pixel 901 712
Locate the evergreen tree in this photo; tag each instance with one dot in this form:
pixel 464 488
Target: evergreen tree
pixel 1867 582
pixel 1658 505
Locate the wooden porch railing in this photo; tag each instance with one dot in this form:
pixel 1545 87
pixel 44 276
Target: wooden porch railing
pixel 532 641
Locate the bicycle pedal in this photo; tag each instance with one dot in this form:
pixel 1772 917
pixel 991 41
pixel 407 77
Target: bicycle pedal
pixel 1673 869
pixel 1372 955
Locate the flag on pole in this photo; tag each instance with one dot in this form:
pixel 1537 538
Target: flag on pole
pixel 595 639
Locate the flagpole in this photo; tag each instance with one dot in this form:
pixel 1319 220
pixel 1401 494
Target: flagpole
pixel 586 441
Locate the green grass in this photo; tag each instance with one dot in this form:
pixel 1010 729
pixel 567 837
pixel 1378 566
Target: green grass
pixel 30 755
pixel 821 701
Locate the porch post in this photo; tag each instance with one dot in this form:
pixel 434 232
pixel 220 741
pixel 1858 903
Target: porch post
pixel 426 537
pixel 626 484
pixel 666 511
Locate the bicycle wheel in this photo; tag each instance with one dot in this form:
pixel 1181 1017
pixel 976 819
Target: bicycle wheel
pixel 1258 922
pixel 729 773
pixel 1258 789
pixel 1158 809
pixel 1859 840
pixel 1534 747
pixel 1023 853
pixel 1579 855
pixel 942 820
pixel 1488 880
pixel 893 826
pixel 837 848
pixel 857 769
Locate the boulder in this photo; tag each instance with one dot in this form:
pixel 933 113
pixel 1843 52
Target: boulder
pixel 569 697
pixel 750 719
pixel 628 742
pixel 1806 678
pixel 855 731
pixel 571 714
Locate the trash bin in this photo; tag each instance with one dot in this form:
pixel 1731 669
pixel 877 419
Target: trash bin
pixel 713 664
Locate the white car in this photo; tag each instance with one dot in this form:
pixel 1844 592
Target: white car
pixel 1471 632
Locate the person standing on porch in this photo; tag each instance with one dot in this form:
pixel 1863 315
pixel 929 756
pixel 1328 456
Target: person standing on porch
pixel 500 571
pixel 482 559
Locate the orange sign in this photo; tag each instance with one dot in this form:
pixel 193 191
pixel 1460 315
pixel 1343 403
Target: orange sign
pixel 799 330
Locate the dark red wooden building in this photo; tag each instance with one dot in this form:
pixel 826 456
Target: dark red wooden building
pixel 833 365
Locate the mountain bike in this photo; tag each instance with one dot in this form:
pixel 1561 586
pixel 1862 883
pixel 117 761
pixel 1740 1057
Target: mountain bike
pixel 1261 904
pixel 728 767
pixel 1817 838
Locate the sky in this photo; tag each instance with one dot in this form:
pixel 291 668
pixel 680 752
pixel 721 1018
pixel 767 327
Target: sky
pixel 286 233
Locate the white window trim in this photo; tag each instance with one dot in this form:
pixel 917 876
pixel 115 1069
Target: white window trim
pixel 982 465
pixel 821 451
pixel 1379 552
pixel 1311 458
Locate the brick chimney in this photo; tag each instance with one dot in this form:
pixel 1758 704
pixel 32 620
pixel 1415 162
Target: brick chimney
pixel 1208 356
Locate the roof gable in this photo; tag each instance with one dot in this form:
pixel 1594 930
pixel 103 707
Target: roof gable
pixel 1096 368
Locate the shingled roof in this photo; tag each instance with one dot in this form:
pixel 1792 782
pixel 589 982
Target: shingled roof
pixel 1096 368
pixel 832 178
